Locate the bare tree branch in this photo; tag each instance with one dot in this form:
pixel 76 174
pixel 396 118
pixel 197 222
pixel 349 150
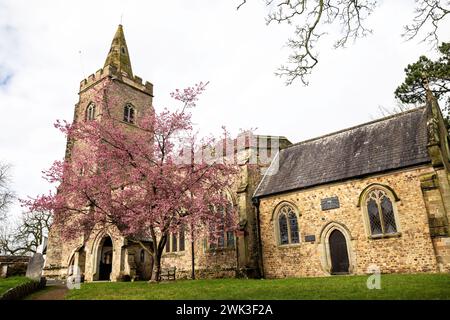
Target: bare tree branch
pixel 311 17
pixel 28 234
pixel 240 5
pixel 7 196
pixel 429 14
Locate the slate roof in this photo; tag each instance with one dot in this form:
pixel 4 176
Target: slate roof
pixel 389 143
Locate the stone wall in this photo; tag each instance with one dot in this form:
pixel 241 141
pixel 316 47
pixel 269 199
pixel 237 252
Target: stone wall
pixel 209 263
pixel 411 251
pixel 23 290
pixel 13 265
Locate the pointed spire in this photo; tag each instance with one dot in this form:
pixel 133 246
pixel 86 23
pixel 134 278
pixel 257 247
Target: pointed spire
pixel 118 55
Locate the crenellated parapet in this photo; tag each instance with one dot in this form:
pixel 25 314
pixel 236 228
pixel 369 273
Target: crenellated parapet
pixel 113 73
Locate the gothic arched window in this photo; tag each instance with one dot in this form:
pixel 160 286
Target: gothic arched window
pixel 222 233
pixel 90 112
pixel 287 226
pixel 142 256
pixel 128 113
pixel 181 239
pixel 174 243
pixel 380 213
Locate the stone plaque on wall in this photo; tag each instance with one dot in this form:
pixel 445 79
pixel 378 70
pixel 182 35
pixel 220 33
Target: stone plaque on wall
pixel 329 203
pixel 310 238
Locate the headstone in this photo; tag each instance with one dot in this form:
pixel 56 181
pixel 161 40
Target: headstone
pixel 42 248
pixel 34 270
pixel 4 271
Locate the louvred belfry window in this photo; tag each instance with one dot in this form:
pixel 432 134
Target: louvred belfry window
pixel 128 113
pixel 90 112
pixel 380 213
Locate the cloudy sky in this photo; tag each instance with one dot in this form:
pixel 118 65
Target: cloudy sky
pixel 48 47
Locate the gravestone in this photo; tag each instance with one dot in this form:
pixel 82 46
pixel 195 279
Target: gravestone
pixel 34 270
pixel 4 271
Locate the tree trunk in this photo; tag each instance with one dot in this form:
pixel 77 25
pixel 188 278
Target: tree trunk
pixel 158 250
pixel 156 266
pixel 152 263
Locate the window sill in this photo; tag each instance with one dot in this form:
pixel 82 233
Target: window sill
pixel 290 245
pixel 132 124
pixel 220 249
pixel 173 254
pixel 384 236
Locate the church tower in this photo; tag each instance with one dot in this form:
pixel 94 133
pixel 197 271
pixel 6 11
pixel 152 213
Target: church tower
pixel 127 96
pixel 105 254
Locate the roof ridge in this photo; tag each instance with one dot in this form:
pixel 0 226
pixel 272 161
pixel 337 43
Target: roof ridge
pixel 357 126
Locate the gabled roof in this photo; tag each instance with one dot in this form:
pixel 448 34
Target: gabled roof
pixel 386 144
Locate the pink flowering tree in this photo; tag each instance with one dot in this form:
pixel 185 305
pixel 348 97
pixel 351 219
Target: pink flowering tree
pixel 148 180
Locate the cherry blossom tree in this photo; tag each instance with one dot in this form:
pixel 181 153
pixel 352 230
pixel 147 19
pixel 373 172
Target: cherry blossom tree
pixel 148 179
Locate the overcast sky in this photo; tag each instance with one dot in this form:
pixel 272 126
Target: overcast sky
pixel 48 47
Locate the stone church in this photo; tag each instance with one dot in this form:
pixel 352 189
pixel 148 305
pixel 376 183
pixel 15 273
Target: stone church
pixel 373 196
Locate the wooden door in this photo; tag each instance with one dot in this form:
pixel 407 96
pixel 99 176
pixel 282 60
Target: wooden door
pixel 338 253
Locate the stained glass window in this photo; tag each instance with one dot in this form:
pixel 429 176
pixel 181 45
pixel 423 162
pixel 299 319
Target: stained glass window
pixel 293 226
pixel 174 243
pixel 288 226
pixel 284 236
pixel 374 217
pixel 388 215
pixel 230 239
pixel 182 239
pixel 223 237
pixel 381 213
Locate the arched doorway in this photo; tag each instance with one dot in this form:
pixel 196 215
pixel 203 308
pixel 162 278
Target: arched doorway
pixel 77 262
pixel 338 253
pixel 106 259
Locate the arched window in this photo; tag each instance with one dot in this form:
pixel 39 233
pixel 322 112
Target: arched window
pixel 176 241
pixel 142 256
pixel 128 113
pixel 221 233
pixel 380 213
pixel 181 238
pixel 90 112
pixel 288 226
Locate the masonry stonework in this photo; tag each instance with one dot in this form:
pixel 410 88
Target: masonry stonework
pixel 411 251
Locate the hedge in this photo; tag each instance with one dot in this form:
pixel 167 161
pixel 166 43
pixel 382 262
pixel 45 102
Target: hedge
pixel 23 290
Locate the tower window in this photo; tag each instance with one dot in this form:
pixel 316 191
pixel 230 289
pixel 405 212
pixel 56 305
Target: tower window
pixel 90 111
pixel 128 113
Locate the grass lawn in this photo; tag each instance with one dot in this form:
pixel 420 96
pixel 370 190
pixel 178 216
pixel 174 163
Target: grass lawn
pixel 7 283
pixel 393 286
